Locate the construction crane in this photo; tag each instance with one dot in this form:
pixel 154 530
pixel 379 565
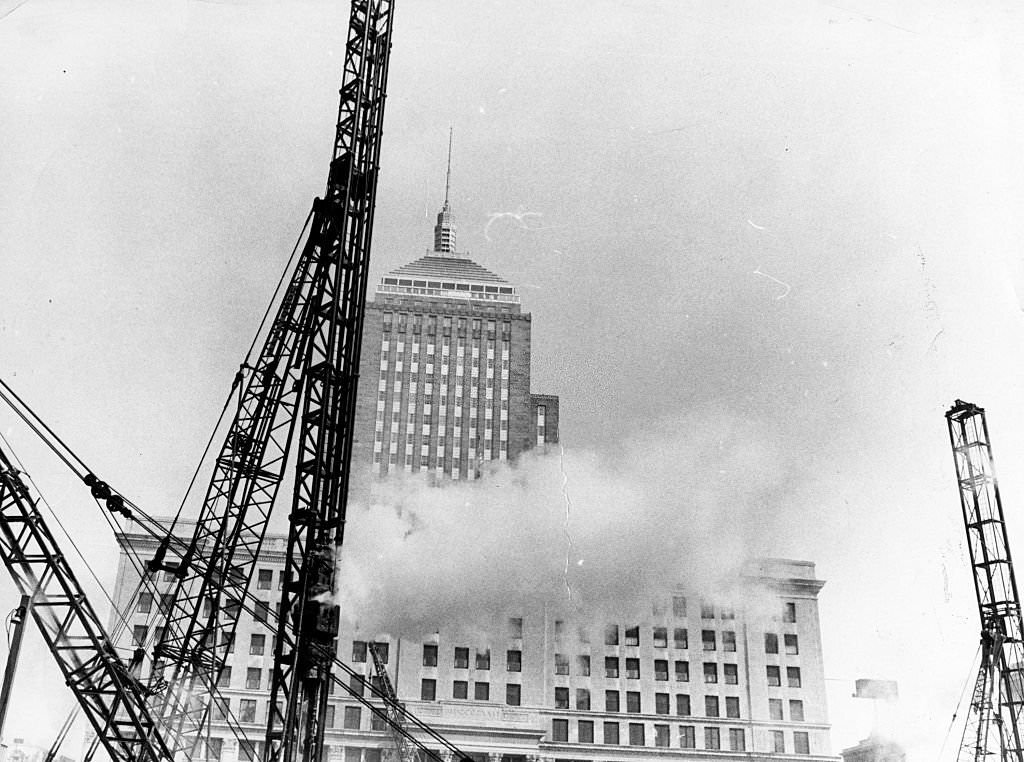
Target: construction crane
pixel 997 702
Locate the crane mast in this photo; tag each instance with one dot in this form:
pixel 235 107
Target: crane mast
pixel 998 697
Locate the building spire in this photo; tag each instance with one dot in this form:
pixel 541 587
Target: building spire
pixel 444 230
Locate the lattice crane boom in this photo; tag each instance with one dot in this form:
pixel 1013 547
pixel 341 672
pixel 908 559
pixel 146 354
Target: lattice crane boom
pixel 999 698
pixel 393 708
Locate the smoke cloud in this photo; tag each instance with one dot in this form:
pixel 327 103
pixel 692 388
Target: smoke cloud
pixel 685 506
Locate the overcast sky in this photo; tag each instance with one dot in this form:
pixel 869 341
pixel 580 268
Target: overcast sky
pixel 793 223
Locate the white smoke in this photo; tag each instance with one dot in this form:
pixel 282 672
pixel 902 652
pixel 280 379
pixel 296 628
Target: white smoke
pixel 685 505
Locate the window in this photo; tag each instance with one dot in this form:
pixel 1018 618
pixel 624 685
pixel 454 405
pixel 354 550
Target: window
pixel 224 679
pixel 633 669
pixel 214 748
pixel 264 579
pixel 460 689
pixel 261 612
pixel 514 661
pixel 428 689
pixel 252 678
pixel 778 741
pixel 707 639
pixel 611 637
pixel 515 627
pixel 661 637
pixel 774 677
pixel 429 655
pixel 257 644
pixel 793 677
pixel 358 684
pixel 583 699
pixel 358 651
pixel 351 717
pixel 583 666
pixel 731 674
pixel 729 640
pixel 775 709
pixel 145 603
pixel 661 703
pixel 683 704
pixel 633 702
pixel 611 732
pixel 771 643
pixel 166 599
pixel 632 636
pixel 710 672
pixel 792 646
pixel 636 734
pixel 660 669
pixel 679 635
pixel 561 698
pixel 482 691
pixel 682 671
pixel 139 632
pixel 611 666
pixel 461 658
pixel 728 612
pixel 687 737
pixel 796 710
pixel 661 736
pixel 707 610
pixel 377 722
pixel 611 701
pixel 732 706
pixel 678 606
pixel 329 719
pixel 560 730
pixel 712 739
pixel 247 710
pixel 789 613
pixel 248 751
pixel 512 694
pixel 561 664
pixel 711 706
pixel 585 731
pixel 801 742
pixel 737 739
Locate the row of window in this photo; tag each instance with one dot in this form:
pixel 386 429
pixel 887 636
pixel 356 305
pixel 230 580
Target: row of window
pixel 687 736
pixel 401 321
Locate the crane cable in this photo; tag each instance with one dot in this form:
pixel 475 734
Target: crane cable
pixel 972 673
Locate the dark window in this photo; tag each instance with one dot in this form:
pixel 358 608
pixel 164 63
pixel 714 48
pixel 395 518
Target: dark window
pixel 682 671
pixel 482 691
pixel 328 720
pixel 712 739
pixel 145 603
pixel 583 699
pixel 611 666
pixel 257 644
pixel 801 742
pixel 792 646
pixel 661 703
pixel 611 732
pixel 661 637
pixel 728 640
pixel 611 637
pixel 778 741
pixel 678 606
pixel 560 730
pixel 378 723
pixel 774 676
pixel 214 749
pixel 429 655
pixel 583 666
pixel 636 734
pixel 793 677
pixel 707 639
pixel 775 709
pixel 515 627
pixel 796 710
pixel 262 611
pixel 711 706
pixel 633 702
pixel 679 635
pixel 660 669
pixel 224 680
pixel 514 661
pixel 611 701
pixel 683 704
pixel 428 689
pixel 707 610
pixel 731 674
pixel 632 636
pixel 561 698
pixel 461 658
pixel 264 579
pixel 737 739
pixel 358 651
pixel 585 731
pixel 221 707
pixel 139 633
pixel 633 669
pixel 661 737
pixel 561 664
pixel 483 659
pixel 351 717
pixel 460 689
pixel 687 737
pixel 512 694
pixel 252 678
pixel 247 710
pixel 710 672
pixel 382 651
pixel 732 706
pixel 357 683
pixel 789 613
pixel 771 643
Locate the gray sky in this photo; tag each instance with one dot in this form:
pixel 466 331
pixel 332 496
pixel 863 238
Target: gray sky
pixel 793 224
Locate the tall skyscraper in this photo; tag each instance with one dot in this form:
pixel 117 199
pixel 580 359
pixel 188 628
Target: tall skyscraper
pixel 445 369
